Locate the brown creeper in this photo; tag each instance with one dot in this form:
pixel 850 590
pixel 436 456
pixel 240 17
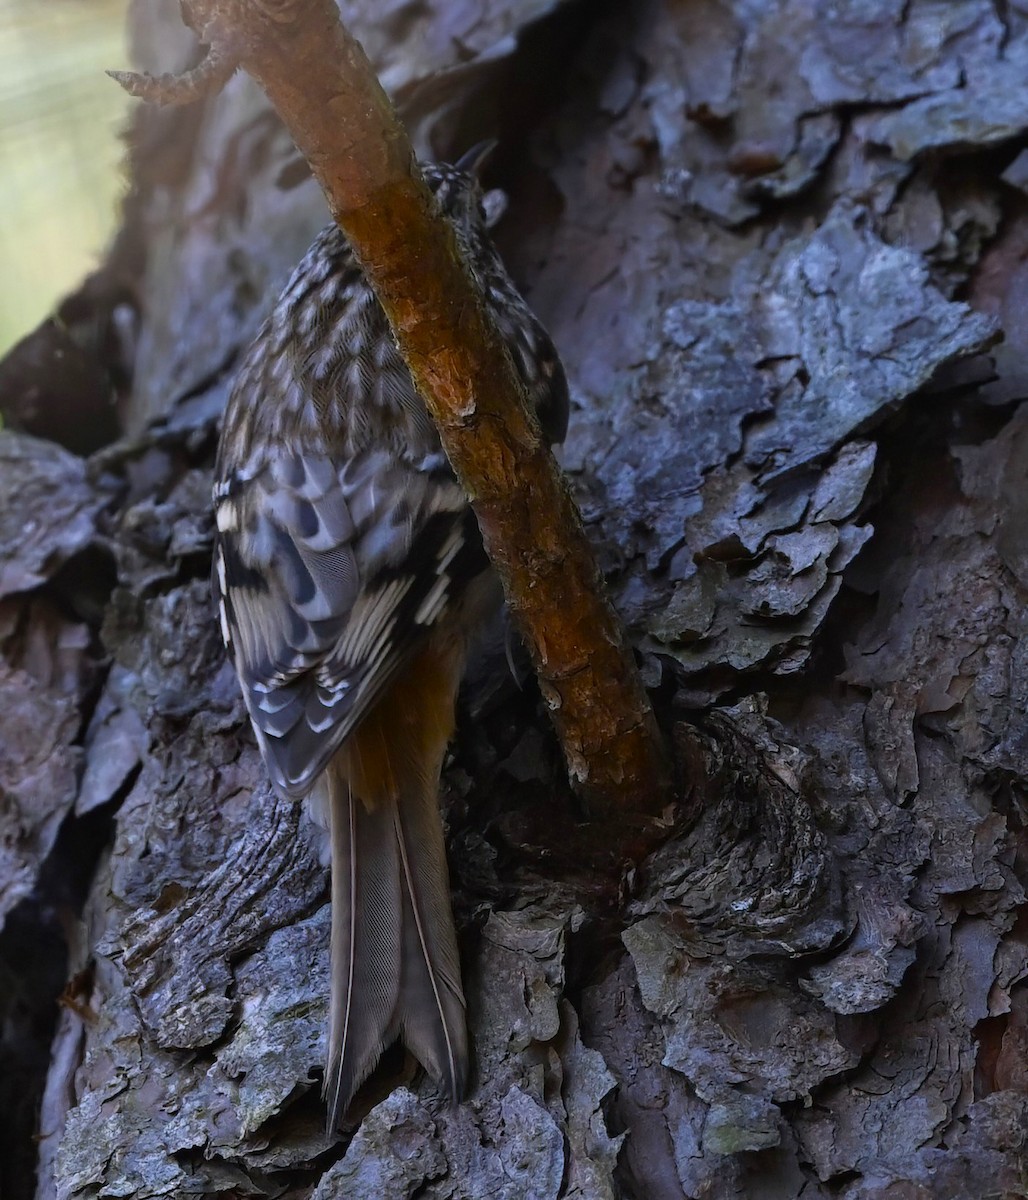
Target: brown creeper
pixel 350 576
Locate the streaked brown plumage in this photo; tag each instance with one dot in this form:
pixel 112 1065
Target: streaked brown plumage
pixel 350 577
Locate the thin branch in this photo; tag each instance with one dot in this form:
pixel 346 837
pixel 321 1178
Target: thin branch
pixel 209 75
pixel 323 87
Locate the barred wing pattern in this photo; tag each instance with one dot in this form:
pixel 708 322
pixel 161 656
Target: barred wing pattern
pixel 329 575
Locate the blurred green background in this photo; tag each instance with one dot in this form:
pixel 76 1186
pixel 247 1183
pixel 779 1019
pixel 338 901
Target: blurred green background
pixel 61 174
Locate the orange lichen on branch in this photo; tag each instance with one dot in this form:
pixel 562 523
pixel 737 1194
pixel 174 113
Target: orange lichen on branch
pixel 323 87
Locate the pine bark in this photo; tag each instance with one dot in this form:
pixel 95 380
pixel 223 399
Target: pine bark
pixel 777 245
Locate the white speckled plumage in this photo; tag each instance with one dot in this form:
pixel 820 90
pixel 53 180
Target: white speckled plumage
pixel 346 552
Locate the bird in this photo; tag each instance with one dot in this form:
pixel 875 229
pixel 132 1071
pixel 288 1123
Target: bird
pixel 350 578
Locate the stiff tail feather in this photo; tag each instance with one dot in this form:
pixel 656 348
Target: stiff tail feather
pixel 395 964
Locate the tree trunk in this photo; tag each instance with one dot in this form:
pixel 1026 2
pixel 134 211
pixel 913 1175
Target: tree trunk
pixel 775 244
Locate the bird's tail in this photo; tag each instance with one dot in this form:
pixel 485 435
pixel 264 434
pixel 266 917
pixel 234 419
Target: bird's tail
pixel 395 964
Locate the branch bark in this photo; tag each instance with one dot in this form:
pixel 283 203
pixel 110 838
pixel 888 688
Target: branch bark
pixel 326 92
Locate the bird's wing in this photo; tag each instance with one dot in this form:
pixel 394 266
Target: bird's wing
pixel 328 577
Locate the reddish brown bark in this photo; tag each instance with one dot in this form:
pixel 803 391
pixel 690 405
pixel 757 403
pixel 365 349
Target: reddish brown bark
pixel 326 92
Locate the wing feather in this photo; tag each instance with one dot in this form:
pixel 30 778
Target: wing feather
pixel 330 576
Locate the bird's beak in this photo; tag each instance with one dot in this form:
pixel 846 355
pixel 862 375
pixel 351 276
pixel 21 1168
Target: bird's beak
pixel 472 161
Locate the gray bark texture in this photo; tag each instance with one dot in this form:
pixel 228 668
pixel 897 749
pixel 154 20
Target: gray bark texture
pixel 782 247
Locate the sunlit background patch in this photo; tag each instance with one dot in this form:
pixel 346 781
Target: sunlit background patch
pixel 60 155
